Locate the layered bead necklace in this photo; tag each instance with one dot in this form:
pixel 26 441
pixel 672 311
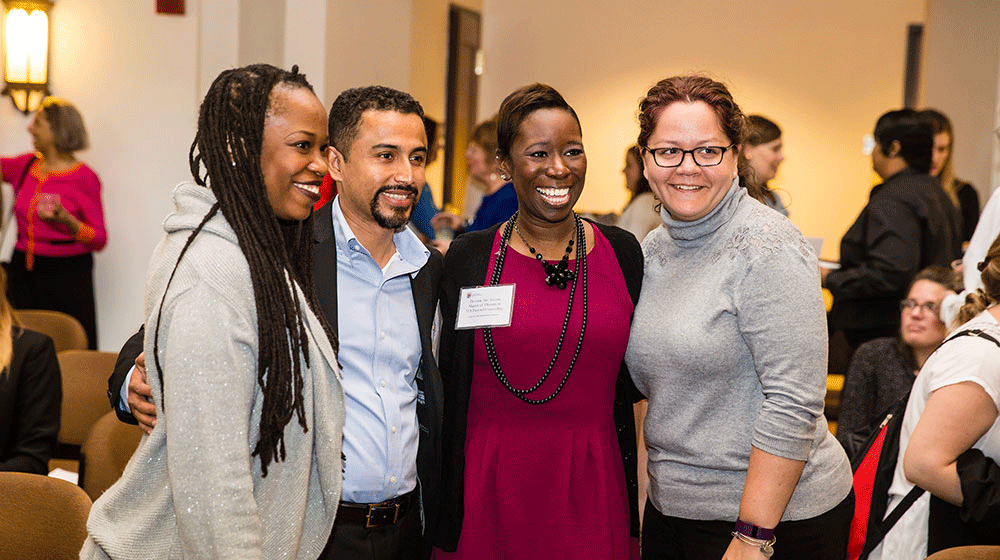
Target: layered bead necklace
pixel 555 274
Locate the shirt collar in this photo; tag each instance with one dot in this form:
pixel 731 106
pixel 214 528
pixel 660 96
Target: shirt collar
pixel 408 245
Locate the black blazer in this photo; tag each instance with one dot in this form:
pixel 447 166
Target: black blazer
pixel 30 401
pixel 429 409
pixel 466 265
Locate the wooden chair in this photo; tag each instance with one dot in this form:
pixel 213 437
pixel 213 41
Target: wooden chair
pixel 105 452
pixel 42 517
pixel 967 553
pixel 67 333
pixel 84 383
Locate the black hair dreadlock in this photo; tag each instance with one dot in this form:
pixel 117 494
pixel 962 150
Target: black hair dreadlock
pixel 228 145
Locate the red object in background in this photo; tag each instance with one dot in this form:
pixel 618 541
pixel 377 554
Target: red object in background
pixel 327 191
pixel 170 7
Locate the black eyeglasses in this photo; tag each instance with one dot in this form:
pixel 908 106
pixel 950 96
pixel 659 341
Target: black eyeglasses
pixel 909 304
pixel 703 156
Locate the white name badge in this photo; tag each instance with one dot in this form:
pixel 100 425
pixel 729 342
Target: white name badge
pixel 485 306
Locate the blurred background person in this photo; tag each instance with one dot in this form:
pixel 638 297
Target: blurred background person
pixel 963 195
pixel 426 209
pixel 882 370
pixel 500 200
pixel 949 441
pixel 60 219
pixel 640 215
pixel 30 394
pixel 762 152
pixel 907 225
pixel 728 341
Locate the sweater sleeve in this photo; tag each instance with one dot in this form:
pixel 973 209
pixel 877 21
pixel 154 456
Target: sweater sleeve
pixel 781 317
pixel 209 391
pixel 13 168
pixel 93 233
pixel 892 244
pixel 39 400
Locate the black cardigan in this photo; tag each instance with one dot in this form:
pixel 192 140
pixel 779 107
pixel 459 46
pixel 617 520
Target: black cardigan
pixel 466 264
pixel 30 400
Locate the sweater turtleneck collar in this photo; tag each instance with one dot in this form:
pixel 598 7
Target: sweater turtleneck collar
pixel 696 229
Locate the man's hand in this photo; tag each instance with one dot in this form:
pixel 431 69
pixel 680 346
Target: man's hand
pixel 140 396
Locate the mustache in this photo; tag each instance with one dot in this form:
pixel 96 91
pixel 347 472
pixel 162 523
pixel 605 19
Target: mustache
pixel 408 188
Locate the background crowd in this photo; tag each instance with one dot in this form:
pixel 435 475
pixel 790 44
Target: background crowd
pixel 300 399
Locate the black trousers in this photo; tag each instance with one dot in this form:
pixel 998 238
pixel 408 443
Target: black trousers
pixel 823 537
pixel 56 283
pixel 401 541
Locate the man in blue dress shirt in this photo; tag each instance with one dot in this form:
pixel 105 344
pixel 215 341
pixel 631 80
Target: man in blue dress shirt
pixel 377 285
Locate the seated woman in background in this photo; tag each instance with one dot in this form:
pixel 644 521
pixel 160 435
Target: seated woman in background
pixel 963 195
pixel 762 153
pixel 949 441
pixel 882 370
pixel 640 215
pixel 60 219
pixel 30 394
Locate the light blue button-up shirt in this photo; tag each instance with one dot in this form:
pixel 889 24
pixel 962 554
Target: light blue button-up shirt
pixel 379 357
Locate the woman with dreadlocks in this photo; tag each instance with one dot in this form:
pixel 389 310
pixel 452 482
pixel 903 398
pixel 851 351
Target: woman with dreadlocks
pixel 245 459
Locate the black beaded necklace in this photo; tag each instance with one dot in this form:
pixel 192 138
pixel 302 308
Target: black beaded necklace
pixel 558 274
pixel 580 264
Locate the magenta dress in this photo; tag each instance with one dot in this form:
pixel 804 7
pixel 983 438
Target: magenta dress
pixel 546 481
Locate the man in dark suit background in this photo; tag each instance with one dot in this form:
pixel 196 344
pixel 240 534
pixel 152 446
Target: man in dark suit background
pixel 378 289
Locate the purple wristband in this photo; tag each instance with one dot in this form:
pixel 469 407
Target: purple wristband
pixel 753 531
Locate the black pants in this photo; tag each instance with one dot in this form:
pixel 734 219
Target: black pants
pixel 56 283
pixel 823 537
pixel 400 541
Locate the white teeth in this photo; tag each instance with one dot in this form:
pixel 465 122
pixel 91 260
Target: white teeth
pixel 554 192
pixel 399 197
pixel 687 187
pixel 306 187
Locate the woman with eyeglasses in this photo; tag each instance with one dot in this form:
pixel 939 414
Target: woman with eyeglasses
pixel 882 370
pixel 729 342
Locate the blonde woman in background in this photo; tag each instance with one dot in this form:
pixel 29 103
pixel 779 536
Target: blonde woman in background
pixel 963 195
pixel 30 394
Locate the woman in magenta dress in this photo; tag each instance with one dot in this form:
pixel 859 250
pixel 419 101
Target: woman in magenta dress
pixel 60 220
pixel 539 437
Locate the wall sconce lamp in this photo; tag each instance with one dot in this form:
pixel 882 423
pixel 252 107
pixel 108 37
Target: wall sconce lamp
pixel 26 52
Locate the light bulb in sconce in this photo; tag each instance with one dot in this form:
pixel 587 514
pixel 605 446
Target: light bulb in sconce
pixel 26 52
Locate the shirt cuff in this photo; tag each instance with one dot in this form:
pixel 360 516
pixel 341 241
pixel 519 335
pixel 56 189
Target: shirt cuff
pixel 123 393
pixel 86 234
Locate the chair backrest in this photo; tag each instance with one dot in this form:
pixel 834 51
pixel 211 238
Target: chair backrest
pixel 67 333
pixel 42 517
pixel 84 381
pixel 967 553
pixel 105 452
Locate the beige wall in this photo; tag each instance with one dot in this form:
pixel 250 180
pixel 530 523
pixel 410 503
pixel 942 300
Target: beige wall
pixel 961 59
pixel 824 71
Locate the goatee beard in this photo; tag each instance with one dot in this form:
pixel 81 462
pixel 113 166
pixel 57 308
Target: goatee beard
pixel 399 217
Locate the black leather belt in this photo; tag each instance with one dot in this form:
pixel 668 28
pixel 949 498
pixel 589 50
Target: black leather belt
pixel 381 514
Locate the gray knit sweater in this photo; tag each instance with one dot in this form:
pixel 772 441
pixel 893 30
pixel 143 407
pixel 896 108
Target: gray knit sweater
pixel 729 342
pixel 192 489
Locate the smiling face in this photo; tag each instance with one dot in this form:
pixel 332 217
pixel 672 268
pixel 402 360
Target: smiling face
pixel 381 176
pixel 764 159
pixel 689 192
pixel 920 328
pixel 942 147
pixel 547 164
pixel 293 158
